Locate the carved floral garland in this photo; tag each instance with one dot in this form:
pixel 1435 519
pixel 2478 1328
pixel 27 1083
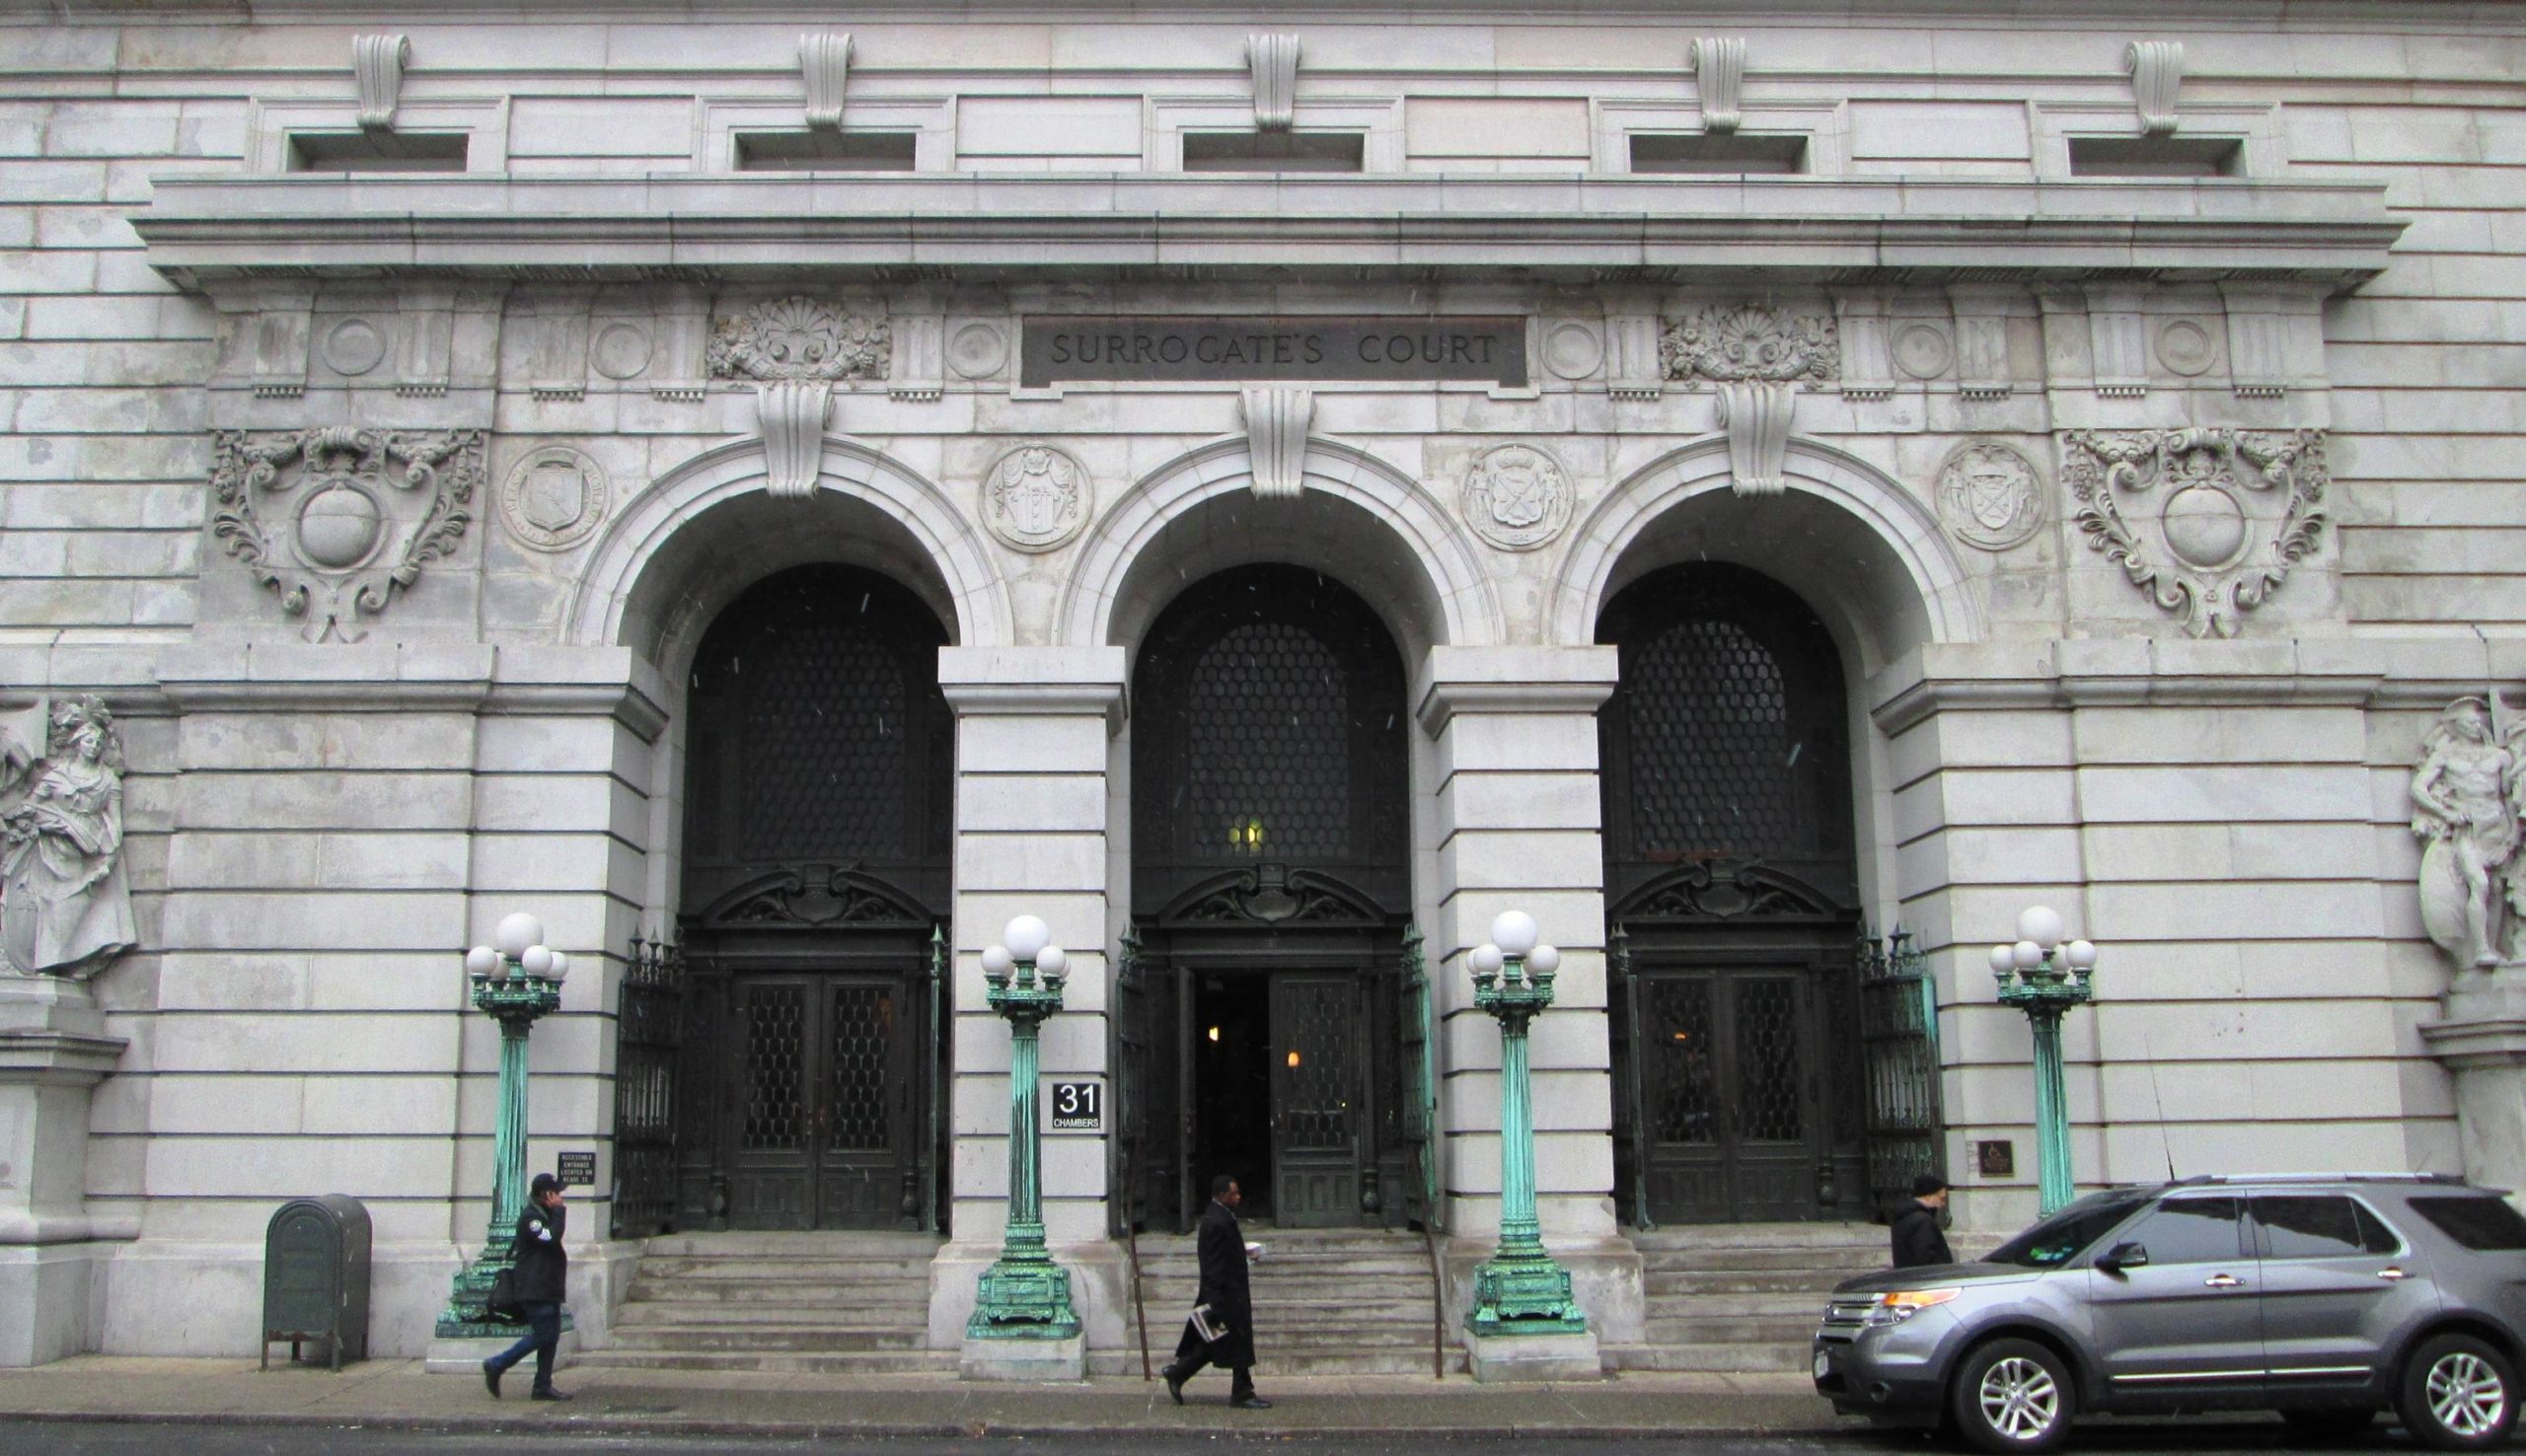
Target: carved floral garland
pixel 799 338
pixel 1750 342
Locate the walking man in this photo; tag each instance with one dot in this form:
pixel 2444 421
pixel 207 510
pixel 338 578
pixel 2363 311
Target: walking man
pixel 1917 1239
pixel 542 1282
pixel 1221 1246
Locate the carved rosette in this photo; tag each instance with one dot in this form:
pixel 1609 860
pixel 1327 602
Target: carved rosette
pixel 1037 498
pixel 797 337
pixel 1516 497
pixel 1989 495
pixel 2206 521
pixel 335 519
pixel 1750 342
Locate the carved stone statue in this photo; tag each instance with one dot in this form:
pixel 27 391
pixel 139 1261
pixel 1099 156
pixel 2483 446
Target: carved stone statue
pixel 2466 802
pixel 64 907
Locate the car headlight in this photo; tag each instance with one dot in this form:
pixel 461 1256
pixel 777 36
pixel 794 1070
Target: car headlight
pixel 1903 1304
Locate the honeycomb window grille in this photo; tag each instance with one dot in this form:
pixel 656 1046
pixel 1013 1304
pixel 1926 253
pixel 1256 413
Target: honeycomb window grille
pixel 1713 750
pixel 1771 1105
pixel 1320 1074
pixel 864 1032
pixel 827 746
pixel 1269 746
pixel 1680 1046
pixel 775 1019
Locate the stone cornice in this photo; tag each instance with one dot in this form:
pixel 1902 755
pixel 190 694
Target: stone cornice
pixel 57 1058
pixel 201 230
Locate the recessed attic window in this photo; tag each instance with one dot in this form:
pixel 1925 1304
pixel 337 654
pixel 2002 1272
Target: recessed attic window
pixel 824 151
pixel 2155 155
pixel 1722 154
pixel 1275 151
pixel 378 151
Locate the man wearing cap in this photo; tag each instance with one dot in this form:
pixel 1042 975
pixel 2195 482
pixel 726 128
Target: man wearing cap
pixel 543 1280
pixel 1917 1239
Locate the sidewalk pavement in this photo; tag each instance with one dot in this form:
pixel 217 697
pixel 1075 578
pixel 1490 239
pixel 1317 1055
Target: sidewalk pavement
pixel 395 1394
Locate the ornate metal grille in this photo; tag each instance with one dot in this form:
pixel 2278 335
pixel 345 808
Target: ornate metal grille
pixel 1678 1050
pixel 1321 1078
pixel 1769 1075
pixel 1268 728
pixel 825 746
pixel 645 1088
pixel 1899 1035
pixel 863 1033
pixel 775 1019
pixel 1711 745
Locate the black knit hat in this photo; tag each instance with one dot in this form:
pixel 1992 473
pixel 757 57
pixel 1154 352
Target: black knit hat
pixel 545 1183
pixel 1928 1183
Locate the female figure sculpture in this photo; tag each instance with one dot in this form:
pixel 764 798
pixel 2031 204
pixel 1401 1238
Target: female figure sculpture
pixel 64 907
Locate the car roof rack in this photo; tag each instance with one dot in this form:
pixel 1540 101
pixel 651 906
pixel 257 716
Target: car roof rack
pixel 2228 1179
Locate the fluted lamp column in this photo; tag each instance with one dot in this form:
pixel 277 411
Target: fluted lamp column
pixel 515 980
pixel 1025 1296
pixel 2045 979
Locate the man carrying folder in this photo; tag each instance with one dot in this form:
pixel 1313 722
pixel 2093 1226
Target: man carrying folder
pixel 1224 1304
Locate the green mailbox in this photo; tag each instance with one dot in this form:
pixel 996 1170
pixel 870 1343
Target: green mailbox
pixel 315 1277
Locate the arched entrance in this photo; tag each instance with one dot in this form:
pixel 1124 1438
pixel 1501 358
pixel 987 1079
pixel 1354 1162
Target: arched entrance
pixel 1271 881
pixel 1731 893
pixel 819 763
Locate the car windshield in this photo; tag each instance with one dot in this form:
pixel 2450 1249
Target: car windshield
pixel 2059 1239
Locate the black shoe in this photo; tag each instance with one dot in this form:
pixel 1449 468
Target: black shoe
pixel 491 1378
pixel 1174 1383
pixel 548 1393
pixel 1249 1402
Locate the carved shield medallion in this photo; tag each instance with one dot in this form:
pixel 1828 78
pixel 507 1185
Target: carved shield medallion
pixel 1036 497
pixel 1989 497
pixel 554 498
pixel 1516 497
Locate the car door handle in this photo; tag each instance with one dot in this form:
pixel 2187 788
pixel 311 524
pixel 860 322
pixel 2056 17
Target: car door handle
pixel 2221 1282
pixel 2392 1275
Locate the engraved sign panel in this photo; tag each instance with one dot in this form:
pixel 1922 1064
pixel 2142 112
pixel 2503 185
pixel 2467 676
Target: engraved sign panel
pixel 1492 349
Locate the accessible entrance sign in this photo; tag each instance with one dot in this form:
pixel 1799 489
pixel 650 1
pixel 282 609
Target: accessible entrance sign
pixel 1216 348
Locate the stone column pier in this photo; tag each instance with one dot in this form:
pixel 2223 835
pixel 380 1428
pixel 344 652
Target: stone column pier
pixel 54 1252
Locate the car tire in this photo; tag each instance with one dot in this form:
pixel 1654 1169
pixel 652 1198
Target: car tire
pixel 2333 1423
pixel 2457 1393
pixel 2012 1396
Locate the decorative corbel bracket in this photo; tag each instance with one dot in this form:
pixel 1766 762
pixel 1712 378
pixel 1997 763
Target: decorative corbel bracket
pixel 1276 422
pixel 2157 70
pixel 1755 413
pixel 825 57
pixel 1275 61
pixel 791 413
pixel 1719 66
pixel 378 61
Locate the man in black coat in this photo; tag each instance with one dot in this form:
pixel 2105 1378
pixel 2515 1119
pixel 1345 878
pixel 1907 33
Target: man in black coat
pixel 1917 1239
pixel 1221 1246
pixel 542 1283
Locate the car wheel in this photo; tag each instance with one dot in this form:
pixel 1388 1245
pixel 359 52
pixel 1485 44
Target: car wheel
pixel 2337 1423
pixel 2011 1395
pixel 2457 1393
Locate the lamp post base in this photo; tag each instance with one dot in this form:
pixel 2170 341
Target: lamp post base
pixel 1565 1355
pixel 1024 1296
pixel 1028 1360
pixel 1521 1292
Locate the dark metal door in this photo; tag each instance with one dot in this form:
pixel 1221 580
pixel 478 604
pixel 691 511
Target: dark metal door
pixel 1728 1072
pixel 823 1132
pixel 1317 1111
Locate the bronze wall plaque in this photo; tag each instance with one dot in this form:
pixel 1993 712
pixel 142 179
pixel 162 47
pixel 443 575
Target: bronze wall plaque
pixel 1254 349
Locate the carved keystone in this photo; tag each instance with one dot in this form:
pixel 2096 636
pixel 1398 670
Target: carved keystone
pixel 790 412
pixel 1276 422
pixel 1755 413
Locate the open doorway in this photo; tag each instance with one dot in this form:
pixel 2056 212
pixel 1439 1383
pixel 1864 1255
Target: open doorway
pixel 1233 1085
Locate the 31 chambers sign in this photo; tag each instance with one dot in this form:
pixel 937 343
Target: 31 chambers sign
pixel 1213 349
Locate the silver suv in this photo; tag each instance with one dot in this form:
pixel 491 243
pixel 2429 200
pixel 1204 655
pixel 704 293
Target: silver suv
pixel 2324 1298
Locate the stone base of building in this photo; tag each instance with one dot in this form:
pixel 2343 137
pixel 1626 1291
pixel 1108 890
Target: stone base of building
pixel 1519 1357
pixel 465 1356
pixel 1605 1277
pixel 1023 1362
pixel 1100 1289
pixel 52 1301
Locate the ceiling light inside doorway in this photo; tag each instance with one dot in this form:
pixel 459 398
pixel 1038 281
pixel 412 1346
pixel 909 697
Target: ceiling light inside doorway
pixel 1294 1058
pixel 1215 1033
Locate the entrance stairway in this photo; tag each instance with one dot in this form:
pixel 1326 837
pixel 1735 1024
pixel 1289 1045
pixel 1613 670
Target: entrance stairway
pixel 1741 1297
pixel 822 1303
pixel 1350 1301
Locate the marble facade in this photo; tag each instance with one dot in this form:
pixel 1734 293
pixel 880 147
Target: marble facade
pixel 1946 381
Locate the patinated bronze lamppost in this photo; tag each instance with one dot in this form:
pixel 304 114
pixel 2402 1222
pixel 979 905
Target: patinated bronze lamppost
pixel 1519 1289
pixel 514 984
pixel 2045 979
pixel 1024 1294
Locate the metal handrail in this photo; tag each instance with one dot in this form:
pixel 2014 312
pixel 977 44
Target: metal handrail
pixel 1132 1246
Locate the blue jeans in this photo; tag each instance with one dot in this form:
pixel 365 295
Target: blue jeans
pixel 543 1337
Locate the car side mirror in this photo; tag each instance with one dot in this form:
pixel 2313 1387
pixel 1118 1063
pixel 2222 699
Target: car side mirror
pixel 2124 1255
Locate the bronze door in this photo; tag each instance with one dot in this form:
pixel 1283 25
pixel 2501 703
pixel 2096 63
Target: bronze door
pixel 1319 1110
pixel 823 1132
pixel 1727 1062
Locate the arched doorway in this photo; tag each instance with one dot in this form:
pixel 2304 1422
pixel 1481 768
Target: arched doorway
pixel 1730 888
pixel 819 763
pixel 1259 1015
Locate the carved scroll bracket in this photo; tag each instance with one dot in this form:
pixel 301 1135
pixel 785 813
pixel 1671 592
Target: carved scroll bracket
pixel 1719 65
pixel 2157 71
pixel 1275 64
pixel 825 57
pixel 1757 413
pixel 790 414
pixel 377 62
pixel 1276 422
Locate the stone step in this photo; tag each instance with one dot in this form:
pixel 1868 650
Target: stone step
pixel 1849 1260
pixel 1799 1304
pixel 803 1267
pixel 1732 1357
pixel 674 1313
pixel 788 1244
pixel 1735 1329
pixel 1757 1281
pixel 1758 1236
pixel 791 1339
pixel 690 1290
pixel 781 1362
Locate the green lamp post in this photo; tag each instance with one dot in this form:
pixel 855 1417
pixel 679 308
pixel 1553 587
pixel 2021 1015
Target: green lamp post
pixel 514 984
pixel 1519 1289
pixel 2045 979
pixel 1024 1294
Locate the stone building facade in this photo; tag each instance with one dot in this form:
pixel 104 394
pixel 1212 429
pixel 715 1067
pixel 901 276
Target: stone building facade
pixel 1265 489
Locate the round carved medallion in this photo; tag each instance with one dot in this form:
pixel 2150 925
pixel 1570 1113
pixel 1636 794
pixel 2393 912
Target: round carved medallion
pixel 1572 350
pixel 338 526
pixel 1989 495
pixel 353 348
pixel 553 498
pixel 1516 497
pixel 2185 348
pixel 1036 497
pixel 1921 350
pixel 621 351
pixel 977 350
